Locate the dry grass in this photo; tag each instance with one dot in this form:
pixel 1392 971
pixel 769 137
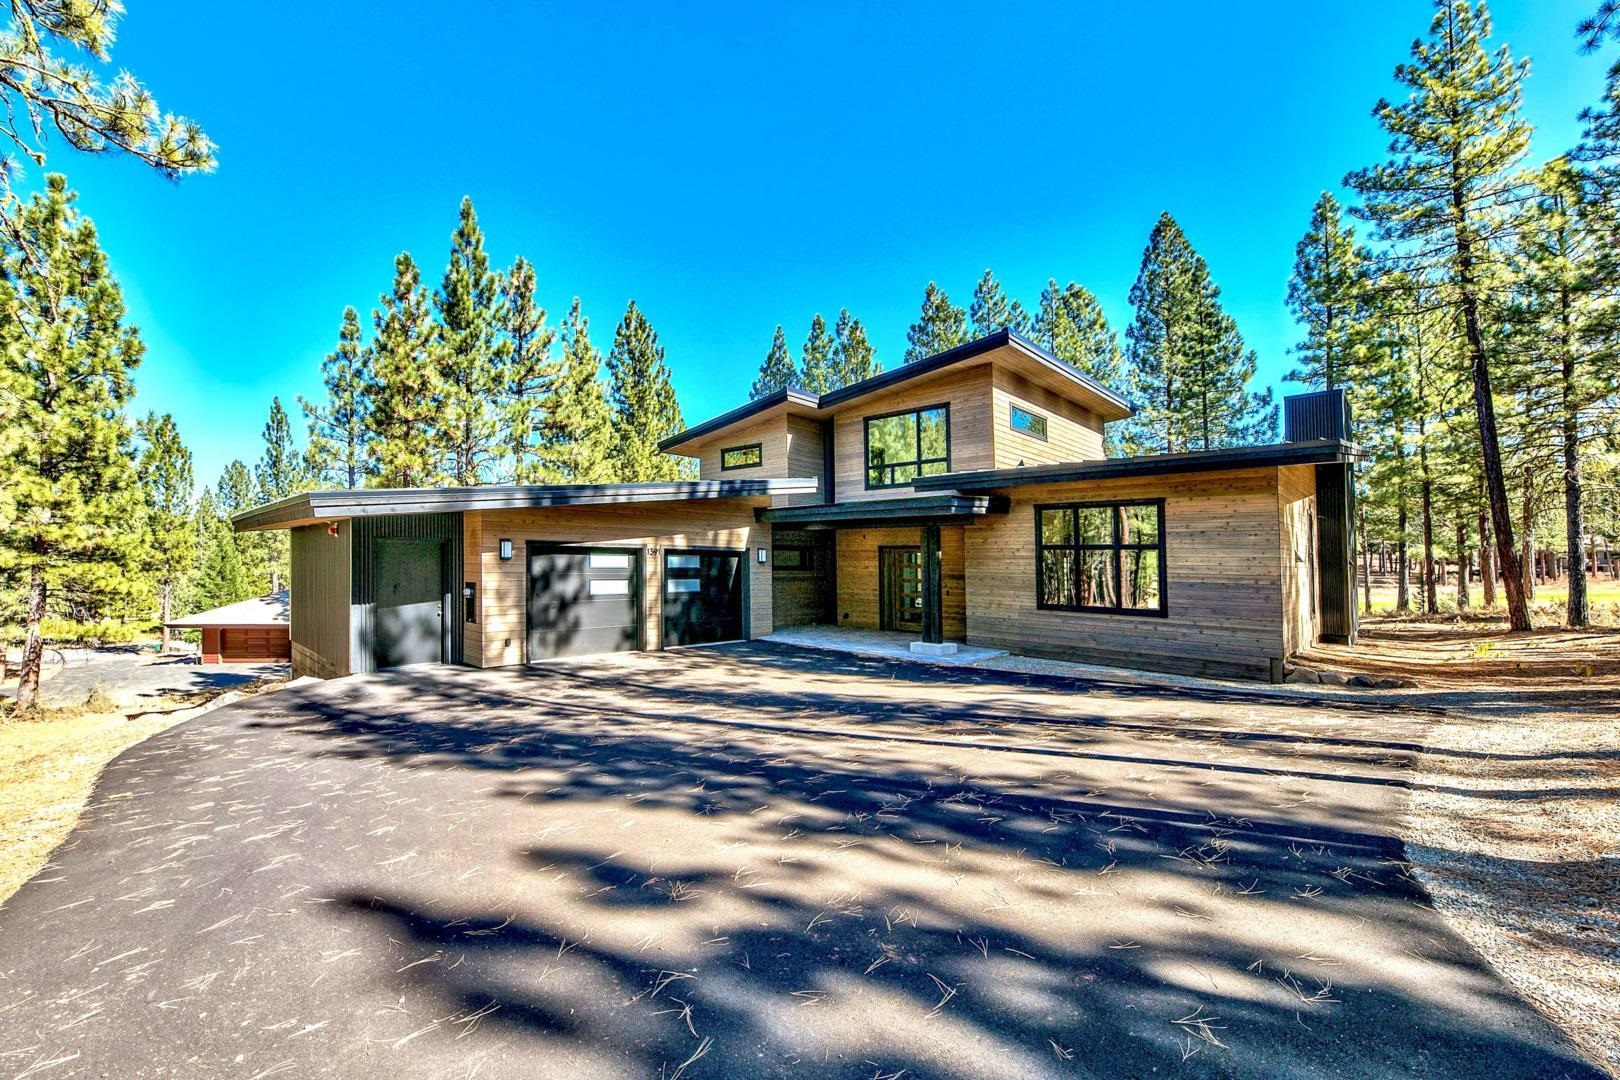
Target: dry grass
pixel 1445 652
pixel 47 769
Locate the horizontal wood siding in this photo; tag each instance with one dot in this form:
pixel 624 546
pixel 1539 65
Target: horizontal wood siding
pixel 772 435
pixel 858 575
pixel 1301 610
pixel 497 638
pixel 966 391
pixel 1073 432
pixel 805 458
pixel 1223 543
pixel 320 600
pixel 799 596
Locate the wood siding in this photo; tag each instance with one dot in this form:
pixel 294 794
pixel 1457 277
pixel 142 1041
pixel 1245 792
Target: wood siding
pixel 497 638
pixel 790 446
pixel 251 645
pixel 966 391
pixel 1225 579
pixel 799 596
pixel 1073 433
pixel 1301 596
pixel 858 575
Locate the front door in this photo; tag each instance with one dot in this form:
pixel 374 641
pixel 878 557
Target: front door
pixel 900 588
pixel 409 577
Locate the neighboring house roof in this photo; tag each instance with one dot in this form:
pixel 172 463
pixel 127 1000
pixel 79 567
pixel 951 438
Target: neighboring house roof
pixel 318 506
pixel 269 610
pixel 1315 452
pixel 894 376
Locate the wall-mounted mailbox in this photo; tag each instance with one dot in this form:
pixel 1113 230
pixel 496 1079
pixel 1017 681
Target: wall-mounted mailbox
pixel 469 593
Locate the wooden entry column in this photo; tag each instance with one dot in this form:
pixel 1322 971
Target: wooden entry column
pixel 933 616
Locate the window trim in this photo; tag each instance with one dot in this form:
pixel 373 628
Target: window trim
pixel 1013 409
pixel 1160 612
pixel 866 445
pixel 759 448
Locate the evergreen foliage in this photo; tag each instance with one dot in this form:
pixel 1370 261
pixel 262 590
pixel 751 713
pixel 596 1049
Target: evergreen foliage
pixel 471 355
pixel 577 435
pixel 531 374
pixel 340 429
pixel 818 372
pixel 776 371
pixel 854 358
pixel 643 400
pixel 170 540
pixel 941 326
pixel 991 310
pixel 1330 293
pixel 71 504
pixel 1071 325
pixel 405 386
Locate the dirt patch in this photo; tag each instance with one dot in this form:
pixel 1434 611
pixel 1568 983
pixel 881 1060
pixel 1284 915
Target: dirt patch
pixel 1470 653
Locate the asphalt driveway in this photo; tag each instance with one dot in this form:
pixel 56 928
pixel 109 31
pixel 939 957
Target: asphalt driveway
pixel 752 861
pixel 128 673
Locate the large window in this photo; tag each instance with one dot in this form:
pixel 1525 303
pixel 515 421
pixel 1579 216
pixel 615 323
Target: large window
pixel 1101 557
pixel 900 447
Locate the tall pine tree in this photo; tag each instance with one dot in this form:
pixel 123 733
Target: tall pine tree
pixel 854 358
pixel 776 371
pixel 1455 141
pixel 531 375
pixel 817 371
pixel 405 387
pixel 340 428
pixel 941 326
pixel 1328 294
pixel 471 355
pixel 164 470
pixel 576 445
pixel 1071 325
pixel 991 310
pixel 644 406
pixel 70 491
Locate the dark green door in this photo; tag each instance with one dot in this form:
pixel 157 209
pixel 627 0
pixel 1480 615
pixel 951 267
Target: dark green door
pixel 703 594
pixel 583 601
pixel 409 581
pixel 900 588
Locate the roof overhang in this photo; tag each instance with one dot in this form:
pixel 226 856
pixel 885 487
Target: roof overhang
pixel 1109 405
pixel 259 612
pixel 1276 455
pixel 316 507
pixel 918 510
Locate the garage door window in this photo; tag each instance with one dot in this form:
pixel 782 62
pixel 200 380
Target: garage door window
pixel 608 587
pixel 602 560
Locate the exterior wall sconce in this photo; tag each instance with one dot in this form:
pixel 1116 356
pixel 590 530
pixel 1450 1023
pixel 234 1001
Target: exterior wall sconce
pixel 506 551
pixel 332 529
pixel 762 556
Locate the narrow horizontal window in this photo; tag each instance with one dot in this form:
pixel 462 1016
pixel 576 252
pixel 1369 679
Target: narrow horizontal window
pixel 608 586
pixel 1029 423
pixel 683 562
pixel 901 447
pixel 1106 557
pixel 679 585
pixel 742 457
pixel 790 558
pixel 601 560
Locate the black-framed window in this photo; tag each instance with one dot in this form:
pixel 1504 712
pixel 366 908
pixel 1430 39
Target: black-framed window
pixel 742 457
pixel 1101 557
pixel 902 446
pixel 1031 424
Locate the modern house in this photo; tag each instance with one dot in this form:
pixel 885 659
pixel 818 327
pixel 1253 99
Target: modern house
pixel 965 497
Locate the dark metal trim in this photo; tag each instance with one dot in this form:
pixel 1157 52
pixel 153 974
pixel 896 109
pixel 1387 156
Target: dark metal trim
pixel 829 464
pixel 866 445
pixel 888 511
pixel 1163 610
pixel 1246 457
pixel 758 447
pixel 1012 421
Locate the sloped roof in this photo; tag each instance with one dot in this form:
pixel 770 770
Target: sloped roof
pixel 272 610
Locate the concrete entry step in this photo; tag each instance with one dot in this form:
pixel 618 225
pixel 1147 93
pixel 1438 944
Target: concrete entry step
pixel 895 645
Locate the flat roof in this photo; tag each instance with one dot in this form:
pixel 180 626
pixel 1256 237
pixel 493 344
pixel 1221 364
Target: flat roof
pixel 1273 455
pixel 317 506
pixel 886 379
pixel 917 509
pixel 269 610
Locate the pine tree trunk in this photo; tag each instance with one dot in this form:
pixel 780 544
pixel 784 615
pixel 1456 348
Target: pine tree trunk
pixel 1403 557
pixel 1575 525
pixel 1487 568
pixel 33 655
pixel 1366 563
pixel 168 591
pixel 1527 558
pixel 1431 597
pixel 1462 564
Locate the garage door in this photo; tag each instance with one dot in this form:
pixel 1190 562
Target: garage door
pixel 703 593
pixel 583 601
pixel 241 644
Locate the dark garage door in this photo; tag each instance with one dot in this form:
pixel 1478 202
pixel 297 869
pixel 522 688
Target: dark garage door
pixel 409 581
pixel 703 594
pixel 583 601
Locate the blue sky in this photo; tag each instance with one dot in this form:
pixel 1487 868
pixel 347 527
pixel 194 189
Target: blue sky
pixel 733 167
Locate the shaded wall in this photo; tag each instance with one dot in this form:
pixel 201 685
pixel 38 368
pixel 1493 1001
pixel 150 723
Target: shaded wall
pixel 320 593
pixel 364 532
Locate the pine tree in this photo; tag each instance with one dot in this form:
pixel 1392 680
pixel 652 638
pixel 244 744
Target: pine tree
pixel 470 354
pixel 854 358
pixel 941 326
pixel 405 388
pixel 644 405
pixel 776 371
pixel 991 310
pixel 1071 325
pixel 70 495
pixel 817 372
pixel 164 470
pixel 221 577
pixel 256 554
pixel 282 470
pixel 576 445
pixel 1190 369
pixel 340 430
pixel 1454 143
pixel 1328 295
pixel 531 374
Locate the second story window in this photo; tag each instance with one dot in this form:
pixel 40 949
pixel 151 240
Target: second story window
pixel 1027 422
pixel 900 447
pixel 742 457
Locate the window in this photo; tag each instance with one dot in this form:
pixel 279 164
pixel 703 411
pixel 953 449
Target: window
pixel 677 586
pixel 601 560
pixel 742 457
pixel 790 558
pixel 1027 422
pixel 1101 557
pixel 608 586
pixel 683 562
pixel 900 447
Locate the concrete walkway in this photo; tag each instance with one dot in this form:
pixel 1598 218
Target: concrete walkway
pixel 753 861
pixel 888 644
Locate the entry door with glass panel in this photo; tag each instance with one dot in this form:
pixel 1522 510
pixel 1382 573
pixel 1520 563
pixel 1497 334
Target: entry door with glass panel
pixel 900 588
pixel 703 594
